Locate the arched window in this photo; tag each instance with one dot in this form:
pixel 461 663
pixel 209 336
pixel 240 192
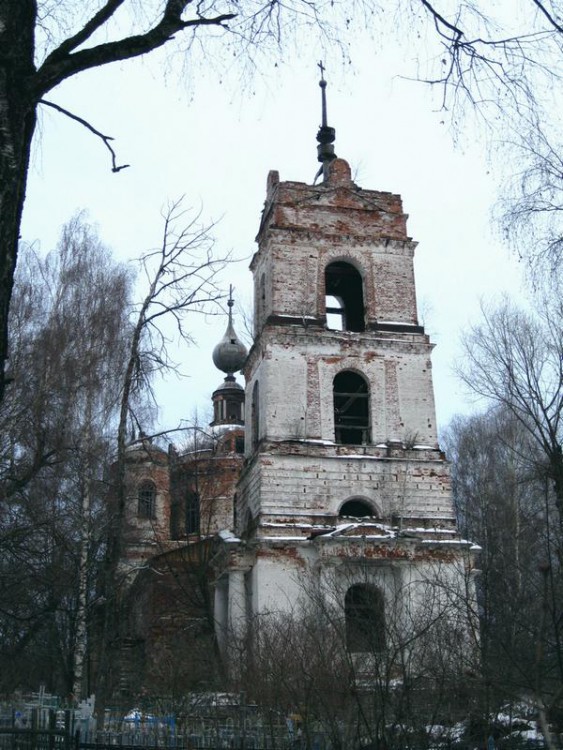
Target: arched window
pixel 146 498
pixel 192 513
pixel 344 298
pixel 365 618
pixel 351 409
pixel 356 508
pixel 255 415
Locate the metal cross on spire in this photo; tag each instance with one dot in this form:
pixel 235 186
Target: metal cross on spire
pixel 322 84
pixel 326 134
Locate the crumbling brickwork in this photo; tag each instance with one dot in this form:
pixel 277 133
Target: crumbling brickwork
pixel 166 592
pixel 344 476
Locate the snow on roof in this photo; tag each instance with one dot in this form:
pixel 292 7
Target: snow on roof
pixel 426 529
pixel 344 528
pixel 219 430
pixel 302 525
pixel 458 542
pixel 397 323
pixel 292 317
pixel 316 441
pixel 227 536
pixel 281 539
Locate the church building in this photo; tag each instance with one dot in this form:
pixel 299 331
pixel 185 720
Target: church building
pixel 332 476
pixel 344 484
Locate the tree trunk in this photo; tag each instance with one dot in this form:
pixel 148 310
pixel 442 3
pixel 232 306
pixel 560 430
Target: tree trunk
pixel 81 636
pixel 556 470
pixel 111 634
pixel 17 124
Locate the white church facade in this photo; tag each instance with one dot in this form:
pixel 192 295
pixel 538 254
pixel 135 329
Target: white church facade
pixel 344 484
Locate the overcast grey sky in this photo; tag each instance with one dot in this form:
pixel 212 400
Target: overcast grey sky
pixel 215 144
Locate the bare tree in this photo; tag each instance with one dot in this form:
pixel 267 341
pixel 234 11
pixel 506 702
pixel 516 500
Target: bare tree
pixel 24 83
pixel 356 665
pixel 84 360
pixel 69 331
pixel 506 506
pixel 181 280
pixel 514 359
pixel 531 207
pixel 483 56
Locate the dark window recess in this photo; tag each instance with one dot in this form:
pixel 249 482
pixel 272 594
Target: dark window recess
pixel 351 409
pixel 262 300
pixel 174 521
pixel 365 619
pixel 255 415
pixel 344 298
pixel 234 411
pixel 228 410
pixel 146 501
pixel 356 509
pixel 239 444
pixel 192 513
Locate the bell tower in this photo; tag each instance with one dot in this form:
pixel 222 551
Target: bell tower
pixel 335 293
pixel 342 459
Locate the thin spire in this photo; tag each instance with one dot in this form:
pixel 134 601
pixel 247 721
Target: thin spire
pixel 326 134
pixel 322 84
pixel 230 304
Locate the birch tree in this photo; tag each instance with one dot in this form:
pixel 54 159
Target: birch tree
pixel 69 329
pixel 85 358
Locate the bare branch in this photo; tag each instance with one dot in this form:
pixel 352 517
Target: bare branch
pixel 96 22
pixel 439 20
pixel 104 138
pixel 548 15
pixel 64 65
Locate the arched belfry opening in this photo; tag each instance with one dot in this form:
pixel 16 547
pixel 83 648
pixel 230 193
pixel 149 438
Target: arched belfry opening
pixel 344 297
pixel 356 508
pixel 364 607
pixel 351 408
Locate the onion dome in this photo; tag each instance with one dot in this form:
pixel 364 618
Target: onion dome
pixel 229 356
pixel 230 353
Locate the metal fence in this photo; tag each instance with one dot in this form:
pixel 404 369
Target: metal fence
pixel 221 726
pixel 223 723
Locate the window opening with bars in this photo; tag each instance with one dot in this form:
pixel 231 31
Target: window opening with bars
pixel 351 409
